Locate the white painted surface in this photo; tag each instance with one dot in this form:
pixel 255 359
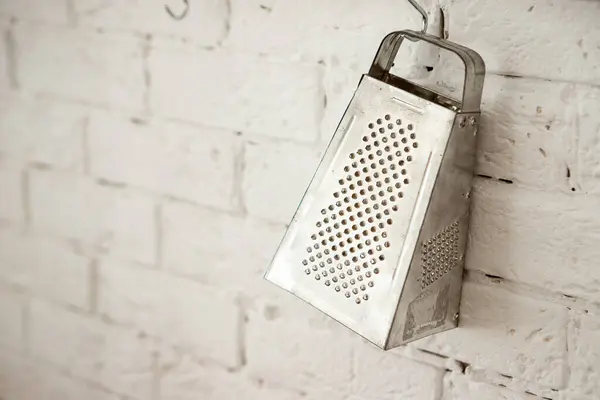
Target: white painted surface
pixel 147 169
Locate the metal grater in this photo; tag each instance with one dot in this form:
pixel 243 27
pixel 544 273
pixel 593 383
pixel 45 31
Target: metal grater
pixel 378 240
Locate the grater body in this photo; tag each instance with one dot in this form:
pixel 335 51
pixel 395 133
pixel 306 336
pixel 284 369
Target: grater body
pixel 378 239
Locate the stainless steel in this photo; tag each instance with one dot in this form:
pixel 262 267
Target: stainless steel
pixel 378 240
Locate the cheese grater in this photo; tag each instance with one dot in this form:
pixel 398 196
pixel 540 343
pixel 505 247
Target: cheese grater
pixel 378 239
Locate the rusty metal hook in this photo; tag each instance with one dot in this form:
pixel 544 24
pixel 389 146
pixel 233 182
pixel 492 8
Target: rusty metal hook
pixel 423 14
pixel 180 16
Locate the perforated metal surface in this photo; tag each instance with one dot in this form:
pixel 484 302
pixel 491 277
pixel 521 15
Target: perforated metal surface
pixel 440 254
pixel 351 237
pixel 350 247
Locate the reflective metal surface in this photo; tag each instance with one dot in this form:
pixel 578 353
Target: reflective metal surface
pixel 378 240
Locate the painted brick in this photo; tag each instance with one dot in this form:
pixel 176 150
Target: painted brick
pixel 5 83
pixel 79 65
pixel 115 220
pixel 545 239
pixel 204 24
pixel 343 32
pixel 218 249
pixel 42 131
pixel 528 132
pixel 237 92
pixel 44 267
pixel 90 349
pixel 384 375
pixel 507 333
pixel 181 312
pixel 22 379
pixel 11 202
pixel 292 345
pixel 584 355
pixel 189 163
pixel 564 44
pixel 459 387
pixel 276 175
pixel 11 314
pixel 588 174
pixel 514 384
pixel 54 11
pixel 185 379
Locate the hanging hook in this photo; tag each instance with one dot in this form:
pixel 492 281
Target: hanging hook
pixel 183 14
pixel 422 12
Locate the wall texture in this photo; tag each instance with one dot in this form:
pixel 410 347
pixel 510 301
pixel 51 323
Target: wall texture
pixel 148 168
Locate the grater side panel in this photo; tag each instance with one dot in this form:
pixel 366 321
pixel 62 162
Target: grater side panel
pixel 431 297
pixel 348 247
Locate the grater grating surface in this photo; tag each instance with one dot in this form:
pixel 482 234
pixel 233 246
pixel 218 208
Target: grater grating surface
pixel 440 254
pixel 351 238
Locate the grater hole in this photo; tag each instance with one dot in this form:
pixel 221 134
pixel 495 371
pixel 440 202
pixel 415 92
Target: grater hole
pixel 440 254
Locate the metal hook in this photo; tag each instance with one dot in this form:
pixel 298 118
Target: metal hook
pixel 183 14
pixel 422 12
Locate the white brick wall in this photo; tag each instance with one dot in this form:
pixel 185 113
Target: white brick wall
pixel 148 168
pixel 190 163
pixel 179 311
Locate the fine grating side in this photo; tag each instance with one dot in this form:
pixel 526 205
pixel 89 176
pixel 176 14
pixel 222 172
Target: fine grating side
pixel 351 238
pixel 440 254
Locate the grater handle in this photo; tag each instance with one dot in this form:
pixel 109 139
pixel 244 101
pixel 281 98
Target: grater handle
pixel 474 65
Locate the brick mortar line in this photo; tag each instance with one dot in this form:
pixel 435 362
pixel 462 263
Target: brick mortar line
pixel 534 292
pixel 11 57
